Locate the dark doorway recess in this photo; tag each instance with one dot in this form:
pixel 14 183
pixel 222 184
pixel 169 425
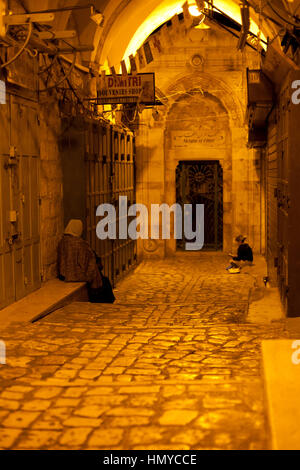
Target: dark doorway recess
pixel 201 182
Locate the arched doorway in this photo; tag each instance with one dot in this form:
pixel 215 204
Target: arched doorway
pixel 198 162
pixel 202 183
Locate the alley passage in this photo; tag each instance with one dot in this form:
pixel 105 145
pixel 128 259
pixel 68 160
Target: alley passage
pixel 172 365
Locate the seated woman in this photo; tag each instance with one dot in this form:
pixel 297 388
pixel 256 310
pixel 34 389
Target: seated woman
pixel 244 256
pixel 77 262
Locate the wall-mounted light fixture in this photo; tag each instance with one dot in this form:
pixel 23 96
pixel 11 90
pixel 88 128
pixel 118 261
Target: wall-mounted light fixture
pixel 97 17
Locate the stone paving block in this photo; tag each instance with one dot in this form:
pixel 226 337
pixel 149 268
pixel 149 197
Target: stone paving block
pixel 75 437
pixel 105 438
pixel 76 392
pixel 181 404
pixel 11 395
pixel 3 414
pixel 100 391
pixel 38 440
pixel 158 447
pixel 8 437
pixel 9 404
pixel 78 422
pixel 129 421
pixel 177 417
pixel 145 435
pixel 20 419
pixel 112 400
pixel 114 371
pixel 48 425
pixel 130 412
pixel 19 361
pixel 190 437
pixel 89 374
pixel 137 390
pixel 20 389
pixel 67 402
pixel 124 379
pixel 36 405
pixel 92 411
pixel 66 374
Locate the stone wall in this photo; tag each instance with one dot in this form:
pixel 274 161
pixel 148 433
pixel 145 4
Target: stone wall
pixel 51 187
pixel 51 178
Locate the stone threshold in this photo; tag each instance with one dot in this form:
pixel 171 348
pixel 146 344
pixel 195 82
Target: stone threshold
pixel 52 296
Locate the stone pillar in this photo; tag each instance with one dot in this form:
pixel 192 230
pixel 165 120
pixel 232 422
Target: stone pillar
pixel 51 188
pixel 246 189
pixel 150 179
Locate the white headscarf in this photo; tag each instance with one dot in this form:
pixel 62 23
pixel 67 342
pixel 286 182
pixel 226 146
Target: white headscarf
pixel 74 228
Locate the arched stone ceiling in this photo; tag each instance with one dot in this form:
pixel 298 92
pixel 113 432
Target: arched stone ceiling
pixel 127 23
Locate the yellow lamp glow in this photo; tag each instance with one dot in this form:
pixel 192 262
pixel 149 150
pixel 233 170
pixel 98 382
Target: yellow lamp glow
pixel 168 8
pixel 194 10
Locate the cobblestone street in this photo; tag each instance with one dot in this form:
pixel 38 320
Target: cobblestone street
pixel 173 364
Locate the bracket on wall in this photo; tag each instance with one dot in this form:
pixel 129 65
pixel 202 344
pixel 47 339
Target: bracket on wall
pixel 7 18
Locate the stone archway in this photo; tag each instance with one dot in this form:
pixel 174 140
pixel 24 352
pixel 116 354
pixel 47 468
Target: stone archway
pixel 217 84
pixel 198 129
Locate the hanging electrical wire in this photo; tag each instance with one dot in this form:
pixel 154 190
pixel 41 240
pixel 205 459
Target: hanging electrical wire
pixel 91 113
pixel 65 77
pixel 22 49
pixel 47 67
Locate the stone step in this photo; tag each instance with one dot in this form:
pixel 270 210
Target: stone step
pixel 281 361
pixel 52 296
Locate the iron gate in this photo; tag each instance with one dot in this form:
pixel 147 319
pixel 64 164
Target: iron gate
pixel 202 183
pixel 19 203
pixel 110 173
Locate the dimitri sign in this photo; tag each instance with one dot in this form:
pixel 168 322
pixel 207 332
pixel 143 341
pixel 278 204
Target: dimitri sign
pixel 118 89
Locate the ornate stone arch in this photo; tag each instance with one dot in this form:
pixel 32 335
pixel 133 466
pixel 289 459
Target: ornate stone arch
pixel 207 84
pixel 221 100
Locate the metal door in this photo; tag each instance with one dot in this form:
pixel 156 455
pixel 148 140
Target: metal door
pixel 19 208
pixel 123 178
pixel 98 187
pixel 202 183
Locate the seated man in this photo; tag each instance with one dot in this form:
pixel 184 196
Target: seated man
pixel 77 262
pixel 244 256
